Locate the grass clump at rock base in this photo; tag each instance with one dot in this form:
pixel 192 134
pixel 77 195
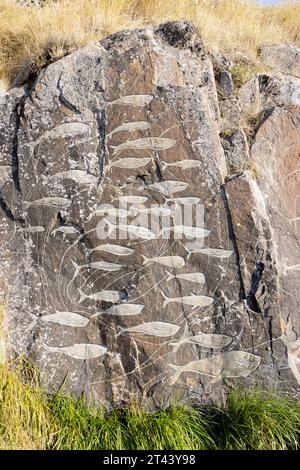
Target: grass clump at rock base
pixel 25 420
pixel 132 428
pixel 32 419
pixel 255 420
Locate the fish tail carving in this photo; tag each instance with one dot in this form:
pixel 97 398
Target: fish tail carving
pixel 120 331
pixel 145 259
pixel 178 370
pixel 175 346
pixel 77 268
pixel 167 300
pixel 83 296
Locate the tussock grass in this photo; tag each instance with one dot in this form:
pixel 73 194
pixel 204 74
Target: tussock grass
pixel 34 33
pixel 83 427
pixel 25 421
pixel 254 420
pixel 31 419
pixel 179 427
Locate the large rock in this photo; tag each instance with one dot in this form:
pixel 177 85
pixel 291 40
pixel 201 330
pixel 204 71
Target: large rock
pixel 282 57
pixel 136 116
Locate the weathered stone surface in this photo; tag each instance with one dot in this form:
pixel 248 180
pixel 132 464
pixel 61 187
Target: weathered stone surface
pixel 265 91
pixel 225 83
pixel 282 57
pixel 276 151
pixel 236 151
pixel 137 115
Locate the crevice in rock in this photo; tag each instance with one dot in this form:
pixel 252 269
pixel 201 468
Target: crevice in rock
pixel 64 101
pixel 101 119
pixel 142 178
pixel 242 293
pixel 67 104
pixel 6 209
pixel 17 115
pixel 255 122
pixel 67 223
pixel 270 331
pixel 263 81
pixel 158 171
pixel 255 282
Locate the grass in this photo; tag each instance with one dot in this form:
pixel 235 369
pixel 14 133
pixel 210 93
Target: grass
pixel 242 72
pixel 32 419
pixel 25 420
pixel 34 33
pixel 258 421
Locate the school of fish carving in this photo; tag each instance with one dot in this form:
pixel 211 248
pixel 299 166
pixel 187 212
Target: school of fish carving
pixel 228 364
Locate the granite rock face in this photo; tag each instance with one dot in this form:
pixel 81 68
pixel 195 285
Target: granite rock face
pixel 141 259
pixel 282 57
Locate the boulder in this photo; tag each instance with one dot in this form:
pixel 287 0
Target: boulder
pixel 236 151
pixel 132 268
pixel 282 57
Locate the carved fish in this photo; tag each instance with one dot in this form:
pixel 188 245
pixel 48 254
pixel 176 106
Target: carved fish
pixel 66 318
pixel 79 176
pixel 171 261
pixel 131 127
pixel 155 328
pixel 157 211
pixel 133 100
pixel 33 229
pixel 188 201
pixel 102 265
pixel 294 267
pixel 131 162
pixel 214 252
pixel 194 300
pixel 105 209
pixel 113 296
pixel 82 351
pixel 117 250
pixel 184 164
pixel 229 364
pixel 132 199
pixel 68 129
pixel 66 230
pixel 135 230
pixel 206 340
pixel 58 202
pixel 123 310
pixel 146 143
pixel 193 277
pixel 187 231
pixel 167 187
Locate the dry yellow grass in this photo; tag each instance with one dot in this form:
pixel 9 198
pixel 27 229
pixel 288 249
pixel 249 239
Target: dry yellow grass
pixel 25 420
pixel 34 35
pixel 3 334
